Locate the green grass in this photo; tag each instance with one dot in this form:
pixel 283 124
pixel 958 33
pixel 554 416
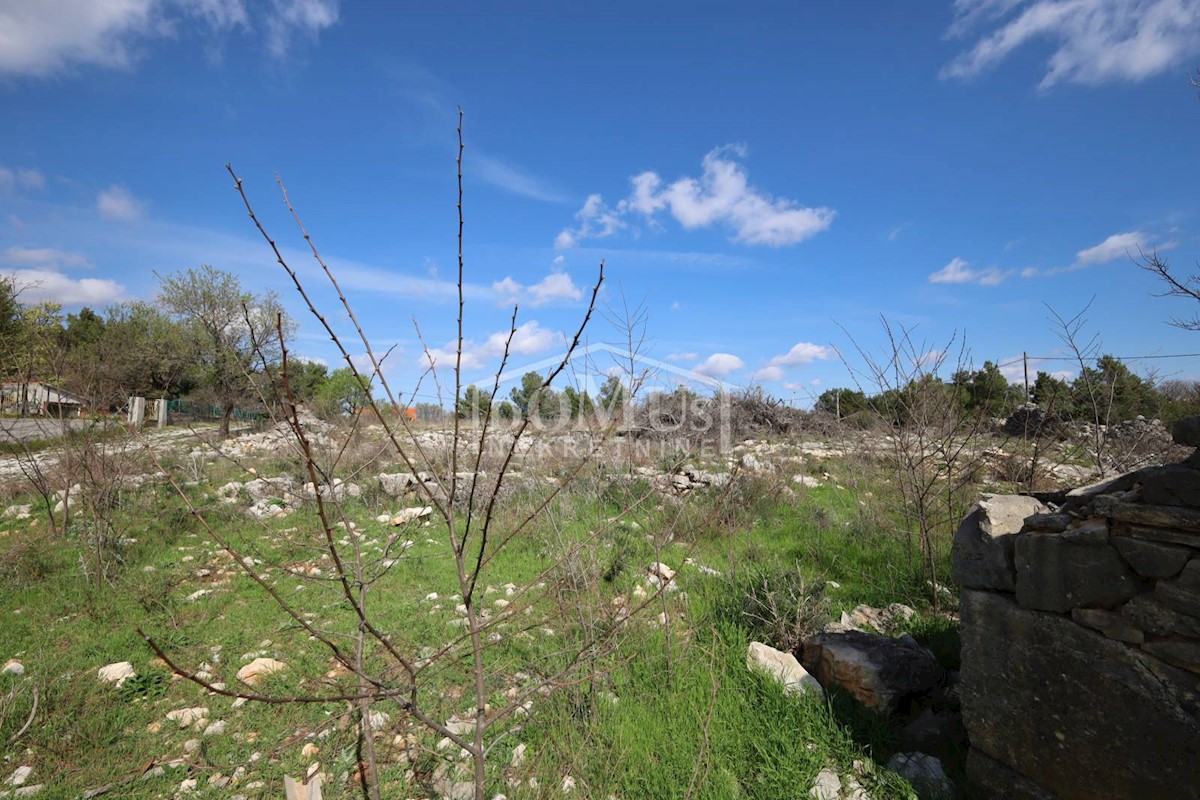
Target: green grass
pixel 687 712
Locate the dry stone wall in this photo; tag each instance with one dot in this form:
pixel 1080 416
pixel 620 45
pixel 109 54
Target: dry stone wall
pixel 1081 638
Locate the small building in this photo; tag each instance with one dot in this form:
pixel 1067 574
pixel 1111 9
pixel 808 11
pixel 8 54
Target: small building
pixel 36 398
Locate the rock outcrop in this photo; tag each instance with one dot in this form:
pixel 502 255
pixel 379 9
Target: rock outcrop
pixel 1081 639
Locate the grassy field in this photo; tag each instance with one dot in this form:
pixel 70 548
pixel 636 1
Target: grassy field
pixel 671 712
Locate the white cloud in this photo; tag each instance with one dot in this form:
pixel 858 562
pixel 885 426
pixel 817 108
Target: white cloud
pixel 20 177
pixel 718 365
pixel 1119 245
pixel 558 260
pixel 46 285
pixel 510 179
pixel 1030 272
pixel 118 204
pixel 721 196
pixel 1094 41
pixel 529 339
pixel 683 356
pixel 959 271
pixel 44 258
pixel 803 353
pixel 675 305
pixel 45 37
pixel 771 373
pixel 896 231
pixel 292 19
pixel 557 286
pixel 310 360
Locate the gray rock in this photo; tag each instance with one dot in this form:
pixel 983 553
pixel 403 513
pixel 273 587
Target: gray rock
pixel 878 671
pixel 1172 486
pixel 1056 574
pixel 1187 432
pixel 784 668
pixel 982 554
pixel 1151 559
pixel 1174 595
pixel 827 786
pixel 1110 623
pixel 1181 654
pixel 1072 711
pixel 1157 619
pixel 991 780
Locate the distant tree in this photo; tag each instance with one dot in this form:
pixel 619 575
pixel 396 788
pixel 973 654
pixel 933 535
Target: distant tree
pixel 842 403
pixel 343 393
pixel 473 404
pixel 522 395
pixel 430 412
pixel 1051 394
pixel 613 395
pixel 306 379
pixel 1119 393
pixel 985 391
pixel 506 411
pixel 233 332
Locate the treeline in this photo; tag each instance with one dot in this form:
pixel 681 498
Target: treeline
pixel 1108 391
pixel 529 399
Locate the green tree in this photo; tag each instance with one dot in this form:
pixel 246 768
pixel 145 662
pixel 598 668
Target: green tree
pixel 83 329
pixel 473 404
pixel 1051 394
pixel 343 393
pixel 613 395
pixel 842 403
pixel 985 391
pixel 1110 392
pixel 233 332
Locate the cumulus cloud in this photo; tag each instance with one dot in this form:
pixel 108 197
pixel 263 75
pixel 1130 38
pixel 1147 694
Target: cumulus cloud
pixel 47 285
pixel 44 258
pixel 48 36
pixel 770 373
pixel 118 204
pixel 803 353
pixel 1094 41
pixel 721 197
pixel 555 287
pixel 959 271
pixel 529 339
pixel 719 365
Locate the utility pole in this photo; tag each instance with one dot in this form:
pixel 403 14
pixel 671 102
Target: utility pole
pixel 1025 359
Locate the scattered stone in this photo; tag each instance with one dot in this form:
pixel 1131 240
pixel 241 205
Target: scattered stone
pixel 827 786
pixel 13 667
pixel 882 620
pixel 117 673
pixel 924 772
pixel 186 717
pixel 661 571
pixel 518 756
pixel 808 481
pixel 191 746
pixel 19 776
pixel 783 668
pixel 878 671
pixel 413 514
pixel 216 728
pixel 259 667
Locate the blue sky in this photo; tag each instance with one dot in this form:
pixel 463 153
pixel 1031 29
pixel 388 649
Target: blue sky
pixel 766 180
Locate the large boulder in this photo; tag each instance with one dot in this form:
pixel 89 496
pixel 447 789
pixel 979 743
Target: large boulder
pixel 982 554
pixel 1071 710
pixel 880 672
